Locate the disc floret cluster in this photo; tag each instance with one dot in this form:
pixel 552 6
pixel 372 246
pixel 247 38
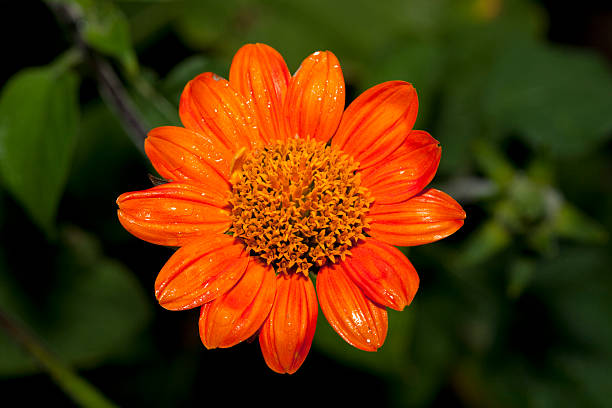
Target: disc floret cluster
pixel 299 205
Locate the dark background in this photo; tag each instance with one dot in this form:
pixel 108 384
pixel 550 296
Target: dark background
pixel 514 310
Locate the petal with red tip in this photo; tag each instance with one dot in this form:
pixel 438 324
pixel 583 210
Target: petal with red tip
pixel 259 72
pixel 209 104
pixel 377 122
pixel 240 312
pixel 315 98
pixel 181 154
pixel 383 273
pixel 406 171
pixel 359 321
pixel 200 272
pixel 173 214
pixel 286 336
pixel 424 218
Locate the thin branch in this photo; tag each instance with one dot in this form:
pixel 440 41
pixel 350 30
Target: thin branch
pixel 111 89
pixel 115 95
pixel 81 392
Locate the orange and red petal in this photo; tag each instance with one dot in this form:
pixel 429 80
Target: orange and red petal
pixel 406 171
pixel 240 312
pixel 424 218
pixel 261 75
pixel 359 321
pixel 315 98
pixel 383 273
pixel 377 122
pixel 173 214
pixel 200 272
pixel 181 154
pixel 286 336
pixel 209 104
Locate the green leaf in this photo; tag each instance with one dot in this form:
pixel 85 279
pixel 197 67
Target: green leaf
pixel 38 128
pixel 202 23
pixel 470 51
pixel 557 99
pixel 156 110
pixel 487 241
pixel 418 62
pixel 492 162
pixel 572 223
pixel 107 30
pixel 104 28
pixel 93 311
pixel 591 375
pixel 174 83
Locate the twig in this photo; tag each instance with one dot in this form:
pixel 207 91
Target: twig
pixel 114 94
pixel 82 392
pixel 111 89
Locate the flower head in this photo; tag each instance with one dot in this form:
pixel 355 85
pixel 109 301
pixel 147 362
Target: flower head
pixel 272 182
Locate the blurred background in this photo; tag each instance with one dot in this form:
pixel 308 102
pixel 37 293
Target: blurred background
pixel 514 310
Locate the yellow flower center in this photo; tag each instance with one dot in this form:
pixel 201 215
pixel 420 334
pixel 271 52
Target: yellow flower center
pixel 298 205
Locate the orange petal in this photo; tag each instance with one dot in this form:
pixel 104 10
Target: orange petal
pixel 209 104
pixel 173 214
pixel 358 320
pixel 406 171
pixel 315 98
pixel 383 273
pixel 181 154
pixel 200 272
pixel 286 336
pixel 259 72
pixel 239 313
pixel 424 218
pixel 377 122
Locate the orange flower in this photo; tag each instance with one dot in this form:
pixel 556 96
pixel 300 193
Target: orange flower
pixel 272 182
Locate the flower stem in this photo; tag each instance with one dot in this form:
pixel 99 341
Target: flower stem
pixel 81 392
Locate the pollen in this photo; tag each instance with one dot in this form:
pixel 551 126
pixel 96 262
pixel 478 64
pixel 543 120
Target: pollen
pixel 298 205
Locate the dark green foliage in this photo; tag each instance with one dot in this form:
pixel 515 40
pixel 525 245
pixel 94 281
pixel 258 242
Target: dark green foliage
pixel 514 310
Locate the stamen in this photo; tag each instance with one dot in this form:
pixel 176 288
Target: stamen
pixel 298 205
